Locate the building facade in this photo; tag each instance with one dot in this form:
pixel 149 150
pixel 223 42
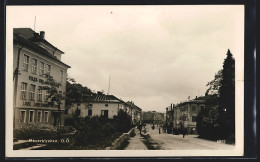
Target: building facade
pixel 98 105
pixel 185 113
pixel 134 111
pixel 153 117
pixel 34 58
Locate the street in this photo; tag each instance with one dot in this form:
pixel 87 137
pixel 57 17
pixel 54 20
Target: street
pixel 177 142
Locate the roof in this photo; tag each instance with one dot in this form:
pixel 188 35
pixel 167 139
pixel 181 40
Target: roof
pixel 200 99
pixel 131 104
pixel 17 37
pixel 25 32
pixel 28 33
pixel 103 98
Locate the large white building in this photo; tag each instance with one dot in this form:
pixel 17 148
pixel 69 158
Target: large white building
pixel 33 57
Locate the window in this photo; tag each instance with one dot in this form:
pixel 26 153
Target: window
pixel 194 108
pixel 39 116
pixel 106 105
pixel 31 116
pixel 25 62
pixel 90 112
pixel 34 66
pixel 202 107
pixel 46 95
pixel 39 94
pixel 32 92
pixel 61 76
pixel 48 69
pixel 23 90
pixel 46 116
pixel 194 118
pixel 104 113
pixel 41 68
pixel 22 116
pixel 60 93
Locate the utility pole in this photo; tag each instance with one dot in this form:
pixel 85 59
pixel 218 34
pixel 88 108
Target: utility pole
pixel 34 22
pixel 108 86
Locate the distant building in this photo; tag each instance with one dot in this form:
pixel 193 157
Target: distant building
pixel 153 117
pixel 185 114
pixel 134 111
pixel 33 57
pixel 98 105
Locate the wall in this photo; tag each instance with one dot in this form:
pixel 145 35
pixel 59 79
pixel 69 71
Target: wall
pixel 96 109
pixel 120 140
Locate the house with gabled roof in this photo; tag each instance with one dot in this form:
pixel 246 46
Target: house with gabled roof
pixel 98 105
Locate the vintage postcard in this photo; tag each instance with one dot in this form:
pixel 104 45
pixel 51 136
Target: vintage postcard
pixel 124 80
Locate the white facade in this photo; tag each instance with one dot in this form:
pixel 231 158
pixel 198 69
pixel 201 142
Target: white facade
pixel 32 63
pixel 97 109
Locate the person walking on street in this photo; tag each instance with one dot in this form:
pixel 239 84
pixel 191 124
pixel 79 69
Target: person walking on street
pixel 183 132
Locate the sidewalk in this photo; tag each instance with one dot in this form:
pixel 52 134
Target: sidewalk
pixel 136 142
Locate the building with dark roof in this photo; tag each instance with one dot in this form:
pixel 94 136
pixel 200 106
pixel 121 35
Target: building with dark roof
pixel 33 58
pixel 98 105
pixel 134 111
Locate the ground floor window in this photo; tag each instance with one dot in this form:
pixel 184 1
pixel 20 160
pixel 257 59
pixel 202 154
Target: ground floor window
pixel 22 116
pixel 104 113
pixel 39 116
pixel 46 116
pixel 31 116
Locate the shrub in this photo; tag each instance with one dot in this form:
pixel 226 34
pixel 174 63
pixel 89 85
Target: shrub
pixel 122 121
pixel 35 131
pixel 69 121
pixel 207 123
pixel 100 132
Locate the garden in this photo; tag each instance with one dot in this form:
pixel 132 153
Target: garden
pixel 79 133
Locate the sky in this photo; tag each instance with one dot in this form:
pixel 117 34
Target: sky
pixel 154 55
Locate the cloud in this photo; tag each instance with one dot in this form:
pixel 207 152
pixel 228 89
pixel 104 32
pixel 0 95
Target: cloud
pixel 155 55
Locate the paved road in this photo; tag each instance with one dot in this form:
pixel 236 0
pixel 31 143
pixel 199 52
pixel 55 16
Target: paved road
pixel 190 142
pixel 136 142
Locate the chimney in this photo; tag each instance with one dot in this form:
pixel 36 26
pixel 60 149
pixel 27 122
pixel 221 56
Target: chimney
pixel 35 35
pixel 99 93
pixel 42 34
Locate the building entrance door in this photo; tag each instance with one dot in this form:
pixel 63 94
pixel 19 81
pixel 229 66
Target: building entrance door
pixel 104 113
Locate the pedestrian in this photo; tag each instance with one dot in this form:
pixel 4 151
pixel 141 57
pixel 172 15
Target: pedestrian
pixel 159 130
pixel 139 127
pixel 183 132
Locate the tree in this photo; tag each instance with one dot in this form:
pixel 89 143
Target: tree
pixel 215 84
pixel 217 120
pixel 54 97
pixel 207 122
pixel 227 97
pixel 75 93
pixel 123 121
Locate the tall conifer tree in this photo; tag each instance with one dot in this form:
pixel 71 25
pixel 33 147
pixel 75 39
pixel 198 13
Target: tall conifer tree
pixel 227 98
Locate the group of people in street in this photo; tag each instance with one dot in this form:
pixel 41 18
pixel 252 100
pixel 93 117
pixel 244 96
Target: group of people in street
pixel 142 127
